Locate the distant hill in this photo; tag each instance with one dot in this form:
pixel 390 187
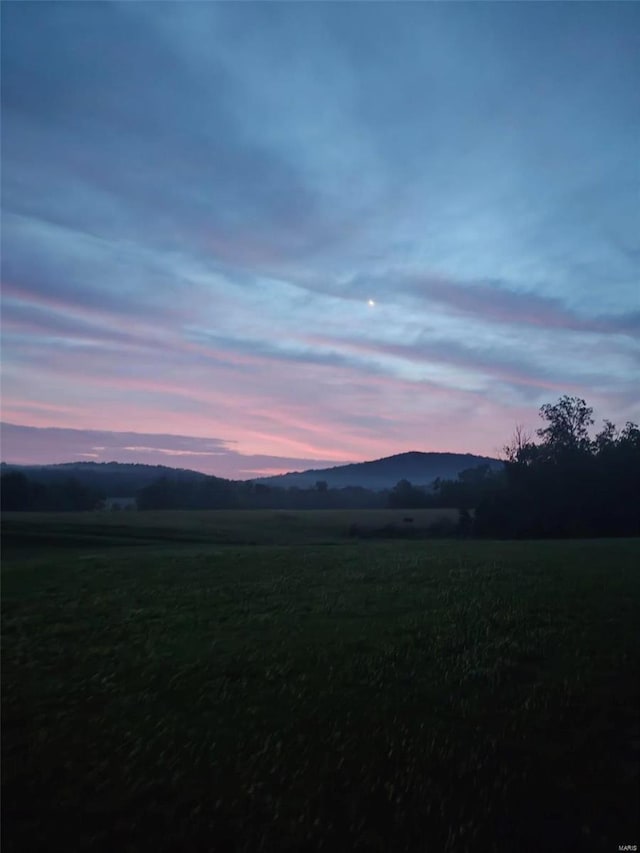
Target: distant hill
pixel 421 469
pixel 119 478
pixel 110 478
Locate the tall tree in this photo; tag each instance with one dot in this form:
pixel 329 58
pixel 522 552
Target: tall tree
pixel 567 428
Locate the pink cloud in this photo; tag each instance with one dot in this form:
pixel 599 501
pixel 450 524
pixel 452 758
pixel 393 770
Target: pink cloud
pixel 268 404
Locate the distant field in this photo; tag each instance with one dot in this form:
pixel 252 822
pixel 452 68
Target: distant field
pixel 223 526
pixel 187 694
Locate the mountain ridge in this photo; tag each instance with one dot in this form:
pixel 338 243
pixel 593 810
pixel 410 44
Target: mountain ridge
pixel 420 468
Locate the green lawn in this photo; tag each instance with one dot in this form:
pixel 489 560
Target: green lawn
pixel 185 694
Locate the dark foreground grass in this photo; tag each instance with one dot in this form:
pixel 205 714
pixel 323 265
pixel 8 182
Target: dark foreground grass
pixel 405 696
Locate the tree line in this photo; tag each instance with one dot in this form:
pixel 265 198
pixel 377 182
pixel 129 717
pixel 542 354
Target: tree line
pixel 567 483
pixel 20 493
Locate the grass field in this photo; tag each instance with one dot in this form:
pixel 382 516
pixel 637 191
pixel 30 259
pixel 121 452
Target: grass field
pixel 165 689
pixel 236 527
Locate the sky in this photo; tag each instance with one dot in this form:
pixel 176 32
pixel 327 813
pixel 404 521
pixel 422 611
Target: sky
pixel 247 238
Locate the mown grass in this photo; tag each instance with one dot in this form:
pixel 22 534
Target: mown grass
pixel 361 696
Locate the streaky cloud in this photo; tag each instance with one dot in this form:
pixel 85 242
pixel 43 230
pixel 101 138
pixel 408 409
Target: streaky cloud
pixel 35 445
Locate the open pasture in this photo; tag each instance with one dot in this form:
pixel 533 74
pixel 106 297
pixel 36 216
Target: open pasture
pixel 180 693
pixel 239 527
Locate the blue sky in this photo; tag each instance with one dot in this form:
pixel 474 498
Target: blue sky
pixel 200 200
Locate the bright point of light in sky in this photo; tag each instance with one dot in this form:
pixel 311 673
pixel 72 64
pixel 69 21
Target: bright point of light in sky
pixel 371 303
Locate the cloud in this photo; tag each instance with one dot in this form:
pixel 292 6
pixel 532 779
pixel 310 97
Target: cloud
pixel 493 302
pixel 185 164
pixel 199 200
pixel 32 445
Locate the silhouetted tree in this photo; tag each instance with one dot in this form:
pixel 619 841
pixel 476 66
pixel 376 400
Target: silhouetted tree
pixel 467 490
pixel 568 484
pixel 404 495
pixel 567 429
